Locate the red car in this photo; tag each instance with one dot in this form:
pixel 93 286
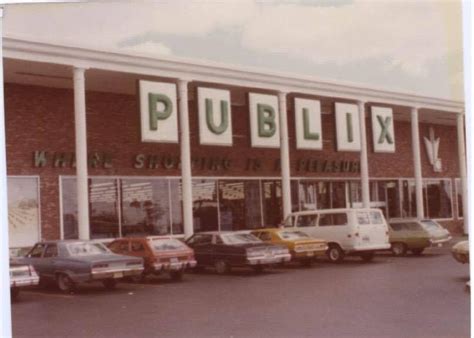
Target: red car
pixel 160 254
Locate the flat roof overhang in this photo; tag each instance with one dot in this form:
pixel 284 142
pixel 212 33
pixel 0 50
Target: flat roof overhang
pixel 46 64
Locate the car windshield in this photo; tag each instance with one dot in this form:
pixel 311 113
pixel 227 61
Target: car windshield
pixel 288 221
pixel 160 244
pixel 231 239
pixel 86 249
pixel 430 225
pixel 292 235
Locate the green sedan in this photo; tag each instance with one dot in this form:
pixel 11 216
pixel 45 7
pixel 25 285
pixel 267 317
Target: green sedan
pixel 408 235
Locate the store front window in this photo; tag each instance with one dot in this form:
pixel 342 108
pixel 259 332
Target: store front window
pixel 145 207
pixel 389 198
pixel 103 205
pixel 23 211
pixel 205 215
pixel 125 207
pixel 437 198
pixel 408 198
pixel 272 203
pixel 355 194
pixel 239 204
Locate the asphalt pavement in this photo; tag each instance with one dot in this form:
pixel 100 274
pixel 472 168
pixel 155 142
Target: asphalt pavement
pixel 390 297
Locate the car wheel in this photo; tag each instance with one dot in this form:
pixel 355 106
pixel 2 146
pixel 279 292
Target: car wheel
pixel 221 267
pixel 65 283
pixel 335 253
pixel 141 278
pixel 109 283
pixel 367 256
pixel 176 275
pixel 417 252
pixel 399 249
pixel 14 294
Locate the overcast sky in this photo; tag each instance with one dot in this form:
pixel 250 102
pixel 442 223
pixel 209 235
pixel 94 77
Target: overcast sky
pixel 411 46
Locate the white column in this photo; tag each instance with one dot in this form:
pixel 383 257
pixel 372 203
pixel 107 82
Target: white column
pixel 81 153
pixel 284 155
pixel 5 314
pixel 186 182
pixel 415 139
pixel 462 168
pixel 364 163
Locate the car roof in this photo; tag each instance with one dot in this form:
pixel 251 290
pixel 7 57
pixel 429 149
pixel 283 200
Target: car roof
pixel 326 211
pixel 404 220
pixel 223 232
pixel 65 241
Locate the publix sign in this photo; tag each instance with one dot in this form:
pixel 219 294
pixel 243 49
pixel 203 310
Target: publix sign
pixel 159 120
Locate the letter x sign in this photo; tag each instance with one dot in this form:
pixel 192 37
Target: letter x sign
pixel 383 130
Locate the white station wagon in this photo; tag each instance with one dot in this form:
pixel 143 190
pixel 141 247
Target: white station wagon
pixel 348 231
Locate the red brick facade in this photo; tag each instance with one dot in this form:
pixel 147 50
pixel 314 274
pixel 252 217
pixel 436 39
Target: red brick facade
pixel 42 119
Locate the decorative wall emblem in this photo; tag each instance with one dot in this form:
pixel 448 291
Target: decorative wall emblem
pixel 432 148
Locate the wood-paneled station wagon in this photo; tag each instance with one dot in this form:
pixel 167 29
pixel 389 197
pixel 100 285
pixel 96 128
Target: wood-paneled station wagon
pixel 161 254
pixel 69 262
pixel 224 250
pixel 303 248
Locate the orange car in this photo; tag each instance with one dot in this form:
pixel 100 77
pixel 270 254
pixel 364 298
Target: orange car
pixel 302 247
pixel 160 254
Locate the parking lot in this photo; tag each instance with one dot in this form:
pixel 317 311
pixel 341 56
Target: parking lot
pixel 390 297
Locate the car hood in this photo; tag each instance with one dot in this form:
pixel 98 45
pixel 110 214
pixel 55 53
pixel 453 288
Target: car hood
pixel 438 233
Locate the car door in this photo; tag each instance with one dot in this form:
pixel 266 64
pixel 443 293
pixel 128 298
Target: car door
pixel 49 261
pixel 203 248
pixel 334 227
pixel 35 257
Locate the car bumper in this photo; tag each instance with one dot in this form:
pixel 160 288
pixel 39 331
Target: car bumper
pixel 115 273
pixel 24 281
pixel 262 260
pixel 440 242
pixel 308 254
pixel 174 266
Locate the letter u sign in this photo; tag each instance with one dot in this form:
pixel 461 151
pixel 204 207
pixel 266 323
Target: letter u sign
pixel 215 116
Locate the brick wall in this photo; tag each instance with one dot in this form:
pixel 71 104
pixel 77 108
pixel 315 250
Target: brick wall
pixel 40 118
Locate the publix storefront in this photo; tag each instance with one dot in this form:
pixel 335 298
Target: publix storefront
pixel 102 144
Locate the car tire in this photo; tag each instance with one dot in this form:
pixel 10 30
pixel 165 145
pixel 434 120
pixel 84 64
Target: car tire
pixel 65 283
pixel 109 283
pixel 176 275
pixel 221 267
pixel 417 252
pixel 14 294
pixel 335 253
pixel 141 278
pixel 399 249
pixel 367 256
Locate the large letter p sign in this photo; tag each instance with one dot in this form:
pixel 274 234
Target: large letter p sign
pixel 159 122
